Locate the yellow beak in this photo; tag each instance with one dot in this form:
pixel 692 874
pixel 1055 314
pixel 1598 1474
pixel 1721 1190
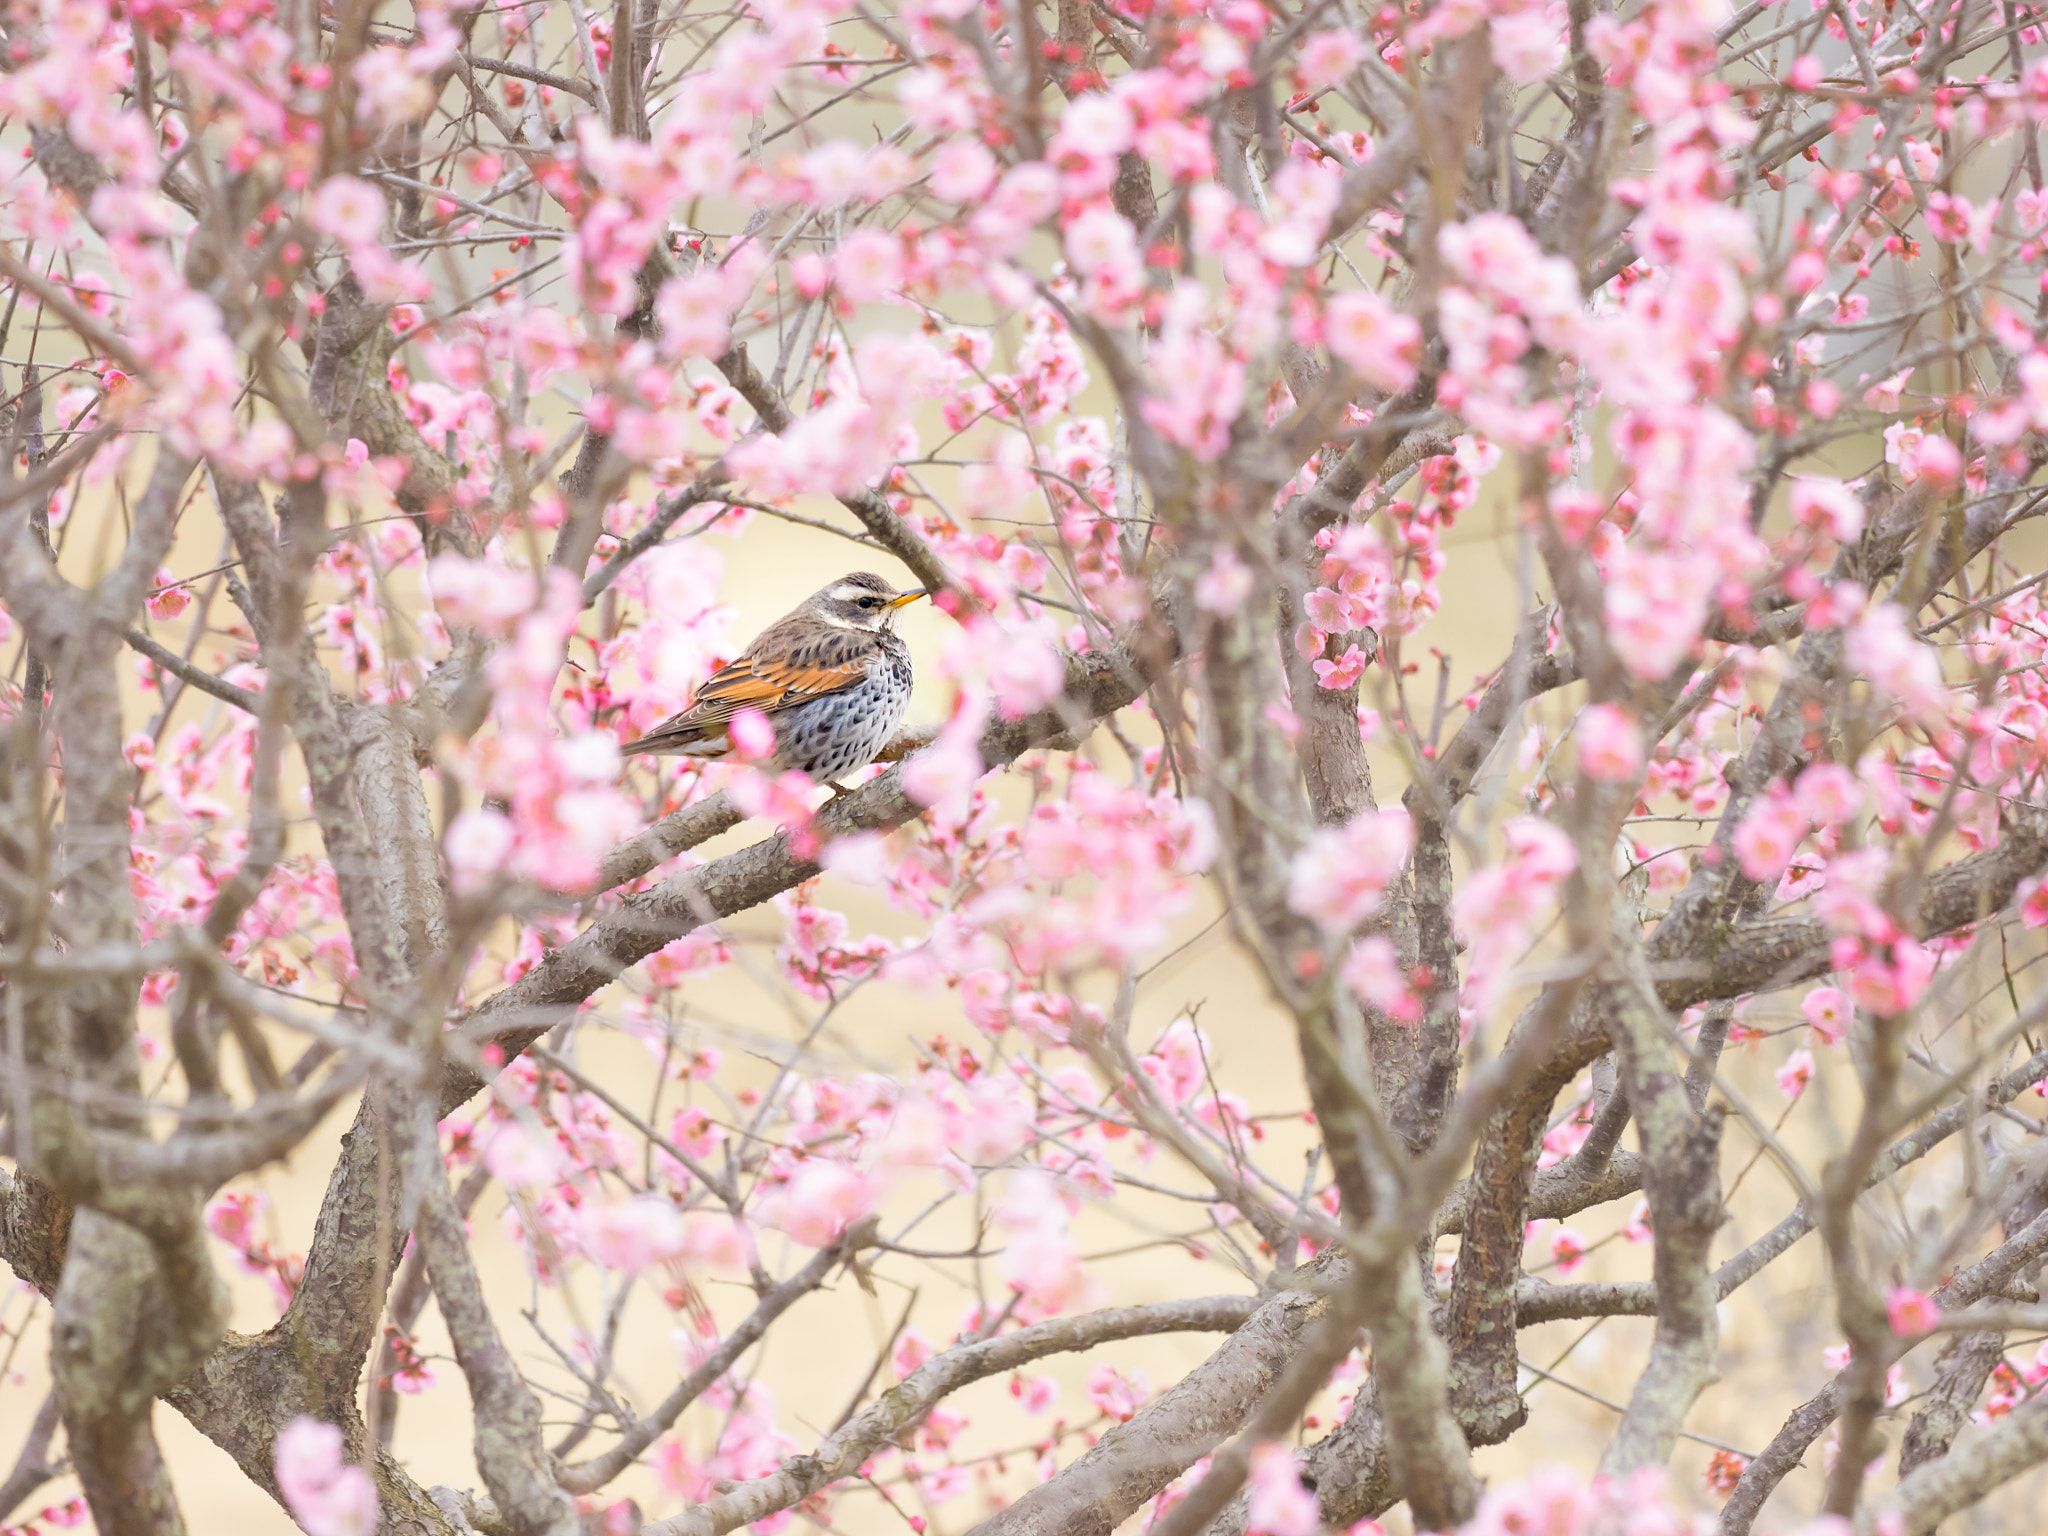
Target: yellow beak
pixel 907 597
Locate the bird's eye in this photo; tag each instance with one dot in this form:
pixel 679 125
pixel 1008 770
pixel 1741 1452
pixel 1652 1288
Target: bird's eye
pixel 867 602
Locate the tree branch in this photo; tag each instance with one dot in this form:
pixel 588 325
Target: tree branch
pixel 33 1467
pixel 902 1407
pixel 1958 1480
pixel 589 1475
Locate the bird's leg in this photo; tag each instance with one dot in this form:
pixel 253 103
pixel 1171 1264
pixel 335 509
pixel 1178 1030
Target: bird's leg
pixel 839 792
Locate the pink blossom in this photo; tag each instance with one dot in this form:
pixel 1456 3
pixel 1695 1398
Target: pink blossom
pixel 1498 907
pixel 1339 877
pixel 1367 333
pixel 632 1234
pixel 1097 124
pixel 1938 460
pixel 1277 1503
pixel 1827 794
pixel 1795 1074
pixel 1024 674
pixel 823 1199
pixel 1373 971
pixel 1847 902
pixel 479 843
pixel 1567 1249
pixel 1655 606
pixel 1886 979
pixel 1827 1011
pixel 2033 903
pixel 1181 1060
pixel 996 1120
pixel 348 208
pixel 171 598
pixel 1330 609
pixel 1539 855
pixel 717 1242
pixel 1528 44
pixel 1768 835
pixel 1224 586
pixel 1577 511
pixel 963 171
pixel 945 772
pixel 912 1350
pixel 519 1160
pixel 1637 1228
pixel 868 265
pixel 862 858
pixel 1120 1394
pixel 1095 127
pixel 674 1469
pixel 1039 1256
pixel 1610 743
pixel 1912 1312
pixel 1553 1500
pixel 1099 237
pixel 943 1483
pixel 693 313
pixel 486 595
pixel 327 1496
pixel 232 1215
pixel 1881 646
pixel 1342 672
pixel 1328 57
pixel 752 734
pixel 784 798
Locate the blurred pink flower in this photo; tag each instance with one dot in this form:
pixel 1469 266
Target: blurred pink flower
pixel 1277 1503
pixel 1827 1011
pixel 1610 743
pixel 1912 1313
pixel 327 1496
pixel 1339 878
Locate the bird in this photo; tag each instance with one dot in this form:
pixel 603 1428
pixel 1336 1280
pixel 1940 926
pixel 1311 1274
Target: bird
pixel 832 676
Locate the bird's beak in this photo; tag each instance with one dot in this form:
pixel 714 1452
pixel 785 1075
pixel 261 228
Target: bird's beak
pixel 908 597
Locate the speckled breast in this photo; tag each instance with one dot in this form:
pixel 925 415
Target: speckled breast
pixel 843 731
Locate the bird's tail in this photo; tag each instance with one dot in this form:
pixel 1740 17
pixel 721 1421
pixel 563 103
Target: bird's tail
pixel 687 743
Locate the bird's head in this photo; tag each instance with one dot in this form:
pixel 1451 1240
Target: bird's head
pixel 860 601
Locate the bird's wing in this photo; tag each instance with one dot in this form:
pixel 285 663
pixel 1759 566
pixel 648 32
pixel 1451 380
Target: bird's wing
pixel 767 678
pixel 769 684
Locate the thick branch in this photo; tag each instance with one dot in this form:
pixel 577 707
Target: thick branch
pixel 1960 1373
pixel 509 1450
pixel 1133 1461
pixel 1682 1180
pixel 904 1406
pixel 1961 1478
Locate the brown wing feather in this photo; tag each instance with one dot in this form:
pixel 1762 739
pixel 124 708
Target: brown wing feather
pixel 766 685
pixel 786 666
